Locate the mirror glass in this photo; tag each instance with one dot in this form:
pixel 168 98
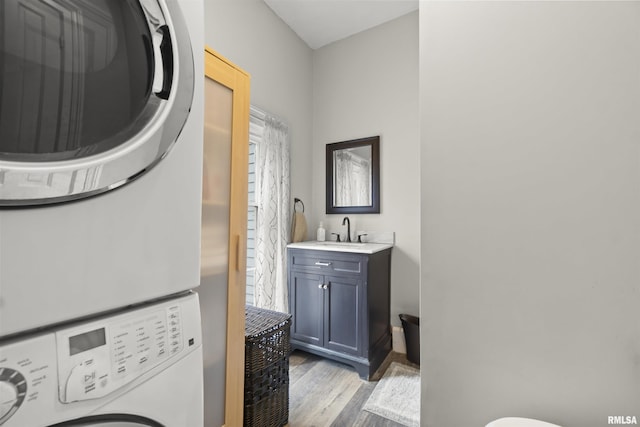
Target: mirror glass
pixel 353 176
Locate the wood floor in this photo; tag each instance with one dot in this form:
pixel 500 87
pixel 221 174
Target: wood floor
pixel 325 393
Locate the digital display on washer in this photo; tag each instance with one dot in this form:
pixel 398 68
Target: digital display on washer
pixel 87 341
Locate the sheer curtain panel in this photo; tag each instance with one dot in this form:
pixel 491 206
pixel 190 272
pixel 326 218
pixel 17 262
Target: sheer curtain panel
pixel 273 218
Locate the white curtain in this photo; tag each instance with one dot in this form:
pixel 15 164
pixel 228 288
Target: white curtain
pixel 353 179
pixel 273 219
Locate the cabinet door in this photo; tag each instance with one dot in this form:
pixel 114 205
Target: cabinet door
pixel 306 294
pixel 343 314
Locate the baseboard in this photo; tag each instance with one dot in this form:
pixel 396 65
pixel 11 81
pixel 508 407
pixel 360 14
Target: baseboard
pixel 397 336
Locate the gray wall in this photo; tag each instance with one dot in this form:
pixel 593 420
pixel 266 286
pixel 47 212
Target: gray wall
pixel 530 185
pixel 367 85
pixel 249 34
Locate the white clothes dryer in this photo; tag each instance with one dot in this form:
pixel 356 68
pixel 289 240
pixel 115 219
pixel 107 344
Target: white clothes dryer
pixel 138 367
pixel 101 124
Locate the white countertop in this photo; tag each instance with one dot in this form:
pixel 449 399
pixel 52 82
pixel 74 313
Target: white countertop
pixel 361 248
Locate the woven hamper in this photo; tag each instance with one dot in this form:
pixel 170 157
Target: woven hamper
pixel 266 368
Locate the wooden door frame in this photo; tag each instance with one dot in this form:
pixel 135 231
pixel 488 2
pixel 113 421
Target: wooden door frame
pixel 228 74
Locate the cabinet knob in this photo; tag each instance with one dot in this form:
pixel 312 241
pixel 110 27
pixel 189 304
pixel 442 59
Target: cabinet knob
pixel 325 287
pixel 320 286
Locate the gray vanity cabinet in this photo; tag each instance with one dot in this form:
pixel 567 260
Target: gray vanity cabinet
pixel 327 311
pixel 339 303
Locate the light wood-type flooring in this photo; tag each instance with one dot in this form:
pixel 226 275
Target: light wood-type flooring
pixel 325 393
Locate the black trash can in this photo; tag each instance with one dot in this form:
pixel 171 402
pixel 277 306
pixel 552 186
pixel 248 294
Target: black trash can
pixel 411 327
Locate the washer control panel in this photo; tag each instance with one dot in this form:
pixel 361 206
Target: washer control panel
pixel 44 373
pixel 97 358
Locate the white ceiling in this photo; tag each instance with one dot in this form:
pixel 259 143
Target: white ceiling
pixel 320 22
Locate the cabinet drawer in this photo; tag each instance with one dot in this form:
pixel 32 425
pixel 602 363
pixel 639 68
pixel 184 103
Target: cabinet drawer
pixel 326 261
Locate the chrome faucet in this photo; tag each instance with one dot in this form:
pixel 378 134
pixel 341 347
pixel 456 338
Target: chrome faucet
pixel 346 219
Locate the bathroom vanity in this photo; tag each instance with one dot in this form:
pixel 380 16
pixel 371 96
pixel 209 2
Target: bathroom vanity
pixel 339 296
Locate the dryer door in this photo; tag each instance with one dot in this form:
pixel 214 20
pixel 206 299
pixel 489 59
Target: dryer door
pixel 93 93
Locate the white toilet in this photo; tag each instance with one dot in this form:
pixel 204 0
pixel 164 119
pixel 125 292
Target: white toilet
pixel 519 422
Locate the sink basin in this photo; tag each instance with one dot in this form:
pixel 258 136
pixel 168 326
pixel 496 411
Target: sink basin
pixel 363 248
pixel 337 243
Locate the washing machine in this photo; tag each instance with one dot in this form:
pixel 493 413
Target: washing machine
pixel 101 124
pixel 135 367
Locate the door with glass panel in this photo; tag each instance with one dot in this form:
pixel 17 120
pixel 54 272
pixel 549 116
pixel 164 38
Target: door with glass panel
pixel 224 233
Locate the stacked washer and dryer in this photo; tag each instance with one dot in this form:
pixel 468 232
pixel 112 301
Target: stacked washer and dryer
pixel 101 105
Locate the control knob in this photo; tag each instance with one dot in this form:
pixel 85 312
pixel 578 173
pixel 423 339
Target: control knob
pixel 13 389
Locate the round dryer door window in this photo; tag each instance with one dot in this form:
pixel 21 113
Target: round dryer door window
pixel 93 93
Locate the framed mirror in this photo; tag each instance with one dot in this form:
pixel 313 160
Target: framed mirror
pixel 353 176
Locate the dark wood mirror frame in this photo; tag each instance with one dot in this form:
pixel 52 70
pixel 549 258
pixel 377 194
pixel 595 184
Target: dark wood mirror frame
pixel 374 142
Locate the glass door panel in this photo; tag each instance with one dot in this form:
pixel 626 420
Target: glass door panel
pixel 214 267
pixel 216 181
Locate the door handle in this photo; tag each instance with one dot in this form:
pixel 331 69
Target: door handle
pixel 237 245
pixel 159 49
pixel 164 49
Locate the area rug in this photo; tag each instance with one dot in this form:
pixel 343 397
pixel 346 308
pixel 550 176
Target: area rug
pixel 397 395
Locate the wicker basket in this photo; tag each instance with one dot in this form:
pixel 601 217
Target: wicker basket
pixel 266 368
